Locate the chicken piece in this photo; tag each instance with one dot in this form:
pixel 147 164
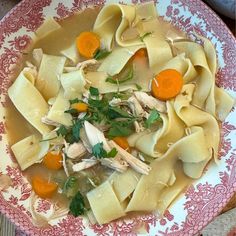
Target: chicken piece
pixel 138 127
pixel 76 150
pixel 117 102
pixel 84 64
pixel 84 164
pixel 150 102
pixel 135 163
pixel 64 164
pixel 95 136
pixel 115 163
pixel 135 106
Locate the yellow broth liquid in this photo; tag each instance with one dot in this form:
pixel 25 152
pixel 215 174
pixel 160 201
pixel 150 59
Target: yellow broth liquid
pixel 18 128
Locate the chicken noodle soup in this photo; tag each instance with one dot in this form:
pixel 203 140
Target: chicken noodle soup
pixel 115 109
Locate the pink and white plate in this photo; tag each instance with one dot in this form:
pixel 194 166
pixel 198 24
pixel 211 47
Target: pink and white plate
pixel 200 203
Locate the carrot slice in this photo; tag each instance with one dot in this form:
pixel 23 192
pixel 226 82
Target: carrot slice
pixel 53 161
pixel 122 142
pixel 141 53
pixel 87 44
pixel 43 188
pixel 80 106
pixel 167 84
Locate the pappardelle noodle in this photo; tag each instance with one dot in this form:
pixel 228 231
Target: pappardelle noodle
pixel 126 113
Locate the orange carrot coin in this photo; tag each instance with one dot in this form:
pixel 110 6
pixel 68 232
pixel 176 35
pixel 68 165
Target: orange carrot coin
pixel 122 142
pixel 53 161
pixel 43 188
pixel 167 84
pixel 80 106
pixel 87 44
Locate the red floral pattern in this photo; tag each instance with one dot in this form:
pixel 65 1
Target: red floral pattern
pixel 202 201
pixel 43 206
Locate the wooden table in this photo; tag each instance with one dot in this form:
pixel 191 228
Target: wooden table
pixel 8 229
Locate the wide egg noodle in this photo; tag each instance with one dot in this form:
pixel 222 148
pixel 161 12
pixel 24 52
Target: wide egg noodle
pixel 115 62
pixel 105 204
pixel 112 21
pixel 193 116
pixel 57 111
pixel 124 183
pixel 29 102
pixel 29 151
pixel 73 84
pixel 156 143
pixel 49 26
pixel 150 187
pixel 50 70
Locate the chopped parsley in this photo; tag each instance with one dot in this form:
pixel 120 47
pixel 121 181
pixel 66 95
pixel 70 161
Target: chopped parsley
pixel 93 91
pixel 139 88
pixel 99 152
pixel 153 117
pixel 70 186
pixel 77 205
pixel 72 111
pixel 127 75
pixel 100 54
pixel 76 100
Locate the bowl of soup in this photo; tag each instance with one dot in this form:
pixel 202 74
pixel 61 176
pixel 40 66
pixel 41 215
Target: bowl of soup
pixel 118 118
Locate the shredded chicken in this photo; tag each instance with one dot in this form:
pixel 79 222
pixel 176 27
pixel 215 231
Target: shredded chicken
pixel 84 64
pixel 76 150
pixel 115 163
pixel 85 164
pixel 135 106
pixel 138 127
pixel 64 164
pixel 47 121
pixel 82 115
pixel 150 102
pixel 115 102
pixel 135 163
pixel 95 136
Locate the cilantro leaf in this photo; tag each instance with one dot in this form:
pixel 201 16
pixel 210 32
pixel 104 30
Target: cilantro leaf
pixel 77 205
pixel 153 117
pixel 62 131
pixel 100 54
pixel 144 36
pixel 93 91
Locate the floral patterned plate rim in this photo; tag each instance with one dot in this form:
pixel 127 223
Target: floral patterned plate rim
pixel 200 203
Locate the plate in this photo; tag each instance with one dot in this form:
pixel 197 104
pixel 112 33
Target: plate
pixel 200 203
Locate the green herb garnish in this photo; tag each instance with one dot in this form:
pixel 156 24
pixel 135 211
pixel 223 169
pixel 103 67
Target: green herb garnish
pixel 124 77
pixel 76 100
pixel 77 205
pixel 139 88
pixel 116 112
pixel 93 91
pixel 72 111
pixel 99 152
pixel 62 131
pixel 144 36
pixel 70 186
pixel 153 117
pixel 100 54
pixel 124 128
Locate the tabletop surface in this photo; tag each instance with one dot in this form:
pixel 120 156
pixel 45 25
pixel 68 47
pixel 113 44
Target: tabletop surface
pixel 218 227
